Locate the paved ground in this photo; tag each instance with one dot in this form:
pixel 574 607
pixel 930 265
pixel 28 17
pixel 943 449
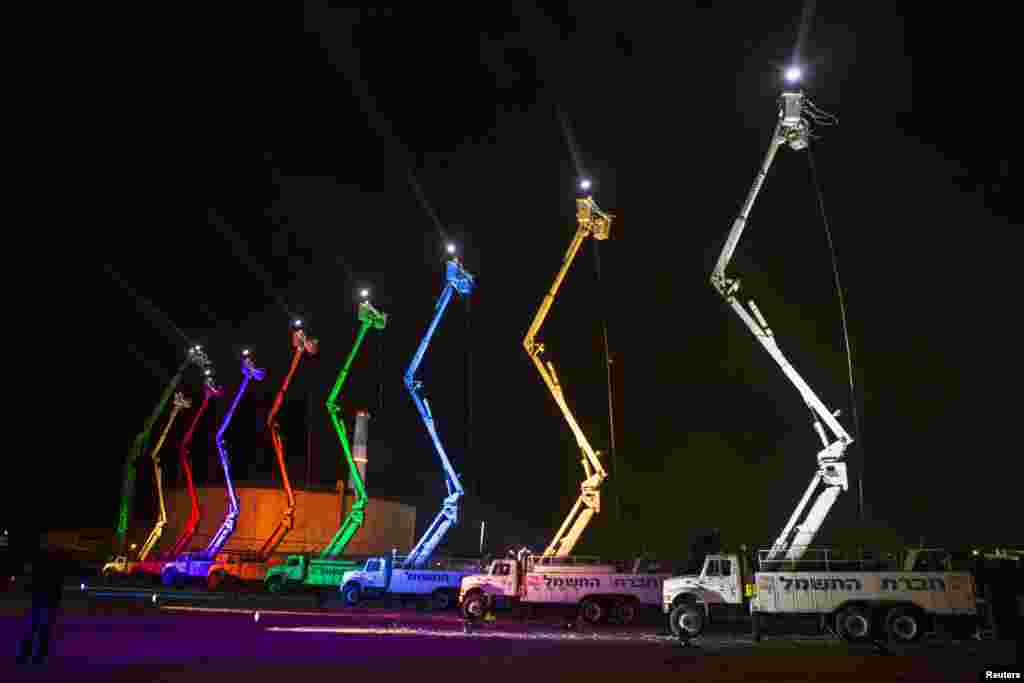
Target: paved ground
pixel 110 641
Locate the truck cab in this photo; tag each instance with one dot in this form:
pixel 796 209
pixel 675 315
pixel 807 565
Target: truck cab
pixel 724 583
pixel 292 570
pixel 501 582
pixel 117 565
pixel 191 565
pixel 371 580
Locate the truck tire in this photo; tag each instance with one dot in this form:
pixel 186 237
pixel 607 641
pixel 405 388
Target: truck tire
pixel 474 606
pixel 441 599
pixel 276 584
pixel 351 594
pixel 854 624
pixel 904 625
pixel 592 611
pixel 686 620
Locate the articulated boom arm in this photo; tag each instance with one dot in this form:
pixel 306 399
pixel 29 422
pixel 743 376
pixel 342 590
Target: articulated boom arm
pixel 591 221
pixel 195 355
pixel 368 317
pixel 793 129
pixel 302 344
pixel 227 527
pixel 180 402
pixel 181 543
pixel 461 281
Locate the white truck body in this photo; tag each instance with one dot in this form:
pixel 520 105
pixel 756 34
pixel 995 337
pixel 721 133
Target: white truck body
pixel 569 588
pixel 598 589
pixel 404 581
pixel 380 576
pixel 904 602
pixel 938 593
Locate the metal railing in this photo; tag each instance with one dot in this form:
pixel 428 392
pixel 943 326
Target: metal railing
pixel 835 559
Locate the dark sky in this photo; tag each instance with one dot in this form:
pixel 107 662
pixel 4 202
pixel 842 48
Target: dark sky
pixel 238 171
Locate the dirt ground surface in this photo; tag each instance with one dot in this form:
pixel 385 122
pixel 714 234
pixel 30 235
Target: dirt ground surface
pixel 140 640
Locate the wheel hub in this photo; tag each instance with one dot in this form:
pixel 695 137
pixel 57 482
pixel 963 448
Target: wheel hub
pixel 856 626
pixel 904 627
pixel 689 622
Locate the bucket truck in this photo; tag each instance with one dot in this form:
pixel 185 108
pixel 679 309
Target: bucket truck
pixel 591 221
pixel 599 591
pixel 415 574
pixel 143 567
pixel 329 568
pixel 194 356
pixel 857 598
pixel 234 570
pixel 197 565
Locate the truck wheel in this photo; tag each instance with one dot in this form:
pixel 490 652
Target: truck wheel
pixel 474 606
pixel 441 599
pixel 275 584
pixel 592 611
pixel 350 594
pixel 686 620
pixel 854 624
pixel 904 625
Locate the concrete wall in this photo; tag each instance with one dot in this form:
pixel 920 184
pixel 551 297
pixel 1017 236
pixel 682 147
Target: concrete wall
pixel 318 515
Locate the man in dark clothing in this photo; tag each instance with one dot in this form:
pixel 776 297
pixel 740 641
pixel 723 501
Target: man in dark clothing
pixel 48 566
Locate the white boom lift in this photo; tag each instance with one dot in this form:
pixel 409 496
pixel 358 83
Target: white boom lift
pixel 792 129
pixel 857 596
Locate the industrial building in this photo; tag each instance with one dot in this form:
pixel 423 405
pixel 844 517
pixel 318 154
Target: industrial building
pixel 318 514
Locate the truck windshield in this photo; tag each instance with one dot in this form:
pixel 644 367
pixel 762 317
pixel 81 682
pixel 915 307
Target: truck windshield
pixel 372 566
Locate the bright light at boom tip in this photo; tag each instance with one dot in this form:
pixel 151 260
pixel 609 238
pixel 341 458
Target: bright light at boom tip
pixel 794 74
pixel 585 184
pixel 450 248
pixel 298 322
pixel 364 293
pixel 245 352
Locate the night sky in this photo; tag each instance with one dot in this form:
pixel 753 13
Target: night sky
pixel 241 172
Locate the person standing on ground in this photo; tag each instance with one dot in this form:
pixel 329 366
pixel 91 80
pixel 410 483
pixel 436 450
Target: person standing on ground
pixel 47 590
